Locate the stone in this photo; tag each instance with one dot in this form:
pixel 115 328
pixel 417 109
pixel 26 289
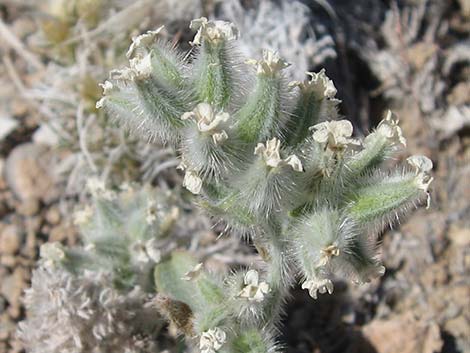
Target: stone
pixel 58 233
pixel 53 216
pixel 10 240
pixel 28 207
pixel 403 333
pixel 12 286
pixel 28 172
pixel 7 125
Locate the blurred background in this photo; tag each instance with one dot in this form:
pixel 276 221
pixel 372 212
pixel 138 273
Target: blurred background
pixel 410 56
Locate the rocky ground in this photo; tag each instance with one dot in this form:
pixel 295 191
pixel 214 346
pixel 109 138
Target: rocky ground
pixel 421 305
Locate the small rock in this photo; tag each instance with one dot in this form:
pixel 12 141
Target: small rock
pixel 53 216
pixel 404 334
pixel 459 236
pixel 12 286
pixel 19 107
pixel 46 136
pixel 59 233
pixel 14 311
pixel 10 240
pixel 28 207
pixel 7 328
pixel 9 261
pixel 2 180
pixel 7 125
pixel 459 94
pixel 459 326
pixel 28 174
pixel 23 26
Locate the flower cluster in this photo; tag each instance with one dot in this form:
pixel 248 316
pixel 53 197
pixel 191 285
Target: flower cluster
pixel 269 159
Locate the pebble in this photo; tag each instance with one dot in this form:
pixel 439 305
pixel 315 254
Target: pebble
pixel 28 207
pixel 58 233
pixel 12 286
pixel 27 173
pixel 53 216
pixel 10 240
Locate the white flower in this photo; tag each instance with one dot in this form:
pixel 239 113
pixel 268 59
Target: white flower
pixel 212 340
pixel 97 188
pixel 254 290
pixel 389 129
pixel 318 285
pixel 423 166
pixel 271 63
pixel 213 31
pixel 194 273
pixel 319 83
pixel 270 152
pixel 51 253
pixel 143 40
pixel 192 182
pixel 336 135
pixel 208 121
pixel 125 74
pixel 327 253
pixel 142 66
pixel 107 87
pixel 83 216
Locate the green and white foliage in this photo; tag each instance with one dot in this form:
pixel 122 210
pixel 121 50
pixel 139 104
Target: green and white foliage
pixel 271 159
pixel 98 297
pixel 125 232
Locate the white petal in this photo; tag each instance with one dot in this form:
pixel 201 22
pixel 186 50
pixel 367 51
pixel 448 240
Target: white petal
pixel 187 116
pixel 271 63
pixel 420 163
pixel 219 137
pixel 107 87
pixel 342 128
pixel 142 66
pixel 251 277
pixel 192 182
pixel 259 149
pixel 143 40
pixel 295 163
